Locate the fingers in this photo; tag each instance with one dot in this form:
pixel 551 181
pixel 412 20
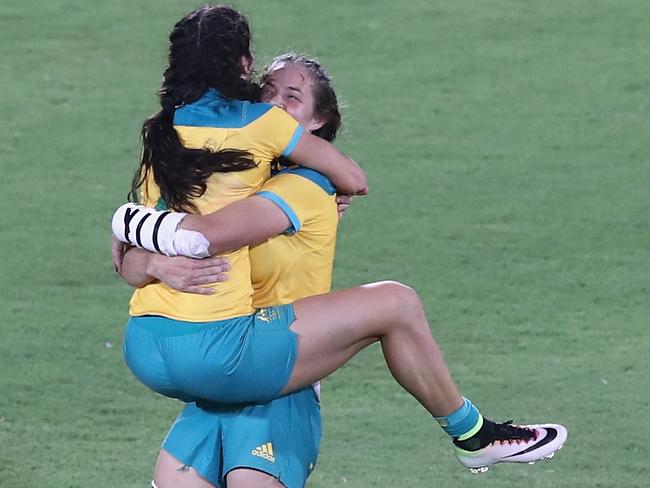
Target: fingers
pixel 196 282
pixel 117 253
pixel 213 262
pixel 341 210
pixel 199 290
pixel 209 278
pixel 190 275
pixel 215 268
pixel 342 204
pixel 197 273
pixel 343 199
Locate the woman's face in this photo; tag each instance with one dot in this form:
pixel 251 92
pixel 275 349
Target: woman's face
pixel 290 88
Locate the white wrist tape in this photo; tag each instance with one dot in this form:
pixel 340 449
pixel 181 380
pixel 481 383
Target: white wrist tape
pixel 191 244
pixel 147 228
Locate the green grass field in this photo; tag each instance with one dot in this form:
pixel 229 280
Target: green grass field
pixel 506 148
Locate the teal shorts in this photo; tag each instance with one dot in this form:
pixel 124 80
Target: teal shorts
pixel 280 438
pixel 241 360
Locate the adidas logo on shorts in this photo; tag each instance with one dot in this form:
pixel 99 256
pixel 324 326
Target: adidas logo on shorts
pixel 264 451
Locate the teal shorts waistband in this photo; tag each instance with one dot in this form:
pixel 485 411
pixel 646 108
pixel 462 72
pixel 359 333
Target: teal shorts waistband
pixel 171 327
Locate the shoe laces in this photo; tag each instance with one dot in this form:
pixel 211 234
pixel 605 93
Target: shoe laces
pixel 508 433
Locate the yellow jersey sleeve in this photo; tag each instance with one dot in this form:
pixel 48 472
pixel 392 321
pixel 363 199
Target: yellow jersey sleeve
pixel 299 262
pixel 274 134
pixel 301 193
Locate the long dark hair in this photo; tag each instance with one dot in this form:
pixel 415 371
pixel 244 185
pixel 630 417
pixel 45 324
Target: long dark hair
pixel 206 50
pixel 326 104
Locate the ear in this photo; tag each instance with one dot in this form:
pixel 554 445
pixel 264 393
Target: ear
pixel 246 67
pixel 314 124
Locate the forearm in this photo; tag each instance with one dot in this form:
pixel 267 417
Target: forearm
pixel 140 267
pixel 348 177
pixel 244 223
pixel 320 155
pixel 136 267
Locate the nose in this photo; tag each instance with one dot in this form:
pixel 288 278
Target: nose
pixel 278 101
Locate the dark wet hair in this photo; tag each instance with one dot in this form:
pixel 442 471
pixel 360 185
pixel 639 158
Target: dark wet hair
pixel 326 104
pixel 205 51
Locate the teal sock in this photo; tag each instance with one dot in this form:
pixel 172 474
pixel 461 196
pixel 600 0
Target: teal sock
pixel 462 423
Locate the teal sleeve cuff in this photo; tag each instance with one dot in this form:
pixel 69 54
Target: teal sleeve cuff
pixel 286 208
pixel 293 142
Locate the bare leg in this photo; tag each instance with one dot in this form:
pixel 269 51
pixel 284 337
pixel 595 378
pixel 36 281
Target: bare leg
pixel 171 473
pixel 334 327
pixel 247 478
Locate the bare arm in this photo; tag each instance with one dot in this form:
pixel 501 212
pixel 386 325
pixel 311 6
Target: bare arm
pixel 246 222
pixel 134 268
pixel 243 223
pixel 320 155
pixel 140 267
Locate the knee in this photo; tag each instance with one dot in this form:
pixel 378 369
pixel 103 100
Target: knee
pixel 402 299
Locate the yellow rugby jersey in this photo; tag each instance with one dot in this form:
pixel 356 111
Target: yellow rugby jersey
pixel 299 263
pixel 215 123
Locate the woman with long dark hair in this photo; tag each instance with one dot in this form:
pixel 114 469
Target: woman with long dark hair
pixel 277 443
pixel 188 349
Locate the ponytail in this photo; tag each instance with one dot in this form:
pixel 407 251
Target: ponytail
pixel 206 48
pixel 180 172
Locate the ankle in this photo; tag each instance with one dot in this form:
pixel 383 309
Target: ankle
pixel 462 422
pixel 477 439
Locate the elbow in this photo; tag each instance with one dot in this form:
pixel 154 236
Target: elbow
pixel 355 183
pixel 134 281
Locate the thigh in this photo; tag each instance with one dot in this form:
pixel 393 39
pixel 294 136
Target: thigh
pixel 333 327
pixel 193 447
pixel 171 473
pixel 247 478
pixel 281 438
